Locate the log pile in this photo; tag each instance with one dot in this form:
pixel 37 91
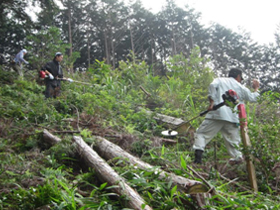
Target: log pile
pixel 105 173
pixel 108 150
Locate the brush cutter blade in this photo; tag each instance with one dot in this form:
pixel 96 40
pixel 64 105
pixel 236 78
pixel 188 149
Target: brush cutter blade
pixel 169 133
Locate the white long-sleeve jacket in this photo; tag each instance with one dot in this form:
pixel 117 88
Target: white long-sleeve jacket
pixel 19 58
pixel 217 88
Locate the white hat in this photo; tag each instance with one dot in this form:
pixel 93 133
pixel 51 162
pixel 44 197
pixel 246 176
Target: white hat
pixel 24 50
pixel 58 54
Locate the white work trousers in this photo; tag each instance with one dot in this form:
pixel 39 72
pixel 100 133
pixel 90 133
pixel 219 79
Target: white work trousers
pixel 209 128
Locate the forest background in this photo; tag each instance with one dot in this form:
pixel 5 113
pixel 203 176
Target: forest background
pixel 117 48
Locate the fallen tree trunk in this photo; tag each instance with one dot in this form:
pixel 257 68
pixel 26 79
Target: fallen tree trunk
pixel 106 174
pixel 108 150
pixel 49 138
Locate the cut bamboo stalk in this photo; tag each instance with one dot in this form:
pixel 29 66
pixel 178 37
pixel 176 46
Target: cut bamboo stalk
pixel 247 144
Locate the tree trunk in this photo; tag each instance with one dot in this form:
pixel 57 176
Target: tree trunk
pixel 173 42
pixel 88 48
pixel 109 150
pixel 106 47
pixel 107 174
pixel 131 39
pixel 70 37
pixel 113 53
pixel 112 46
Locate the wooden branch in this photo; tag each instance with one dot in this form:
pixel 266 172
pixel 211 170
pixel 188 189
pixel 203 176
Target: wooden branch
pixel 213 191
pixel 73 120
pixel 168 141
pixel 106 174
pixel 67 131
pixel 148 94
pixel 35 124
pixel 108 150
pixel 78 115
pixel 234 182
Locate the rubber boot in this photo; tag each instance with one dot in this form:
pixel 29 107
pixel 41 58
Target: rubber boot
pixel 198 156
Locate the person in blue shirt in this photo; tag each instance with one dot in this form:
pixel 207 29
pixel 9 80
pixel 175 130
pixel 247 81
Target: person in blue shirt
pixel 18 60
pixel 224 119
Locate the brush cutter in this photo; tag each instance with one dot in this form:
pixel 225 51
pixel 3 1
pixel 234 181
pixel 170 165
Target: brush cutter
pixel 230 99
pixel 43 76
pixel 70 80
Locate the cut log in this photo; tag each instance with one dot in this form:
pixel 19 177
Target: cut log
pixel 181 126
pixel 106 174
pixel 108 150
pixel 49 138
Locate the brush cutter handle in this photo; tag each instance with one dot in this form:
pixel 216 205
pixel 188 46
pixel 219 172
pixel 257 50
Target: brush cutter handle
pixel 214 108
pixel 203 113
pixel 218 105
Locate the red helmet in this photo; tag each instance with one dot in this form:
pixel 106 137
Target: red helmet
pixel 42 74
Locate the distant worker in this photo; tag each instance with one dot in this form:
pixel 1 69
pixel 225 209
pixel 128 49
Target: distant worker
pixel 54 74
pixel 224 119
pixel 17 66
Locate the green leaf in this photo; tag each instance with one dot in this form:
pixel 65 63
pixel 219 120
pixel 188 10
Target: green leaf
pixel 150 195
pixel 183 163
pixel 103 186
pixel 153 156
pixel 174 189
pixel 143 206
pixel 162 150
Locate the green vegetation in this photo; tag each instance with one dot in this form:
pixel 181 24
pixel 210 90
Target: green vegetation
pixel 36 176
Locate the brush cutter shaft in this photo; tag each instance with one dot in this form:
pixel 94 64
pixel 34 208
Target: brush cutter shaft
pixel 206 111
pixel 229 97
pixel 64 79
pixel 169 132
pixel 203 113
pixel 214 108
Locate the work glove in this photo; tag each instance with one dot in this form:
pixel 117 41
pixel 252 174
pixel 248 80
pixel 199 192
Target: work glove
pixel 70 80
pixel 51 76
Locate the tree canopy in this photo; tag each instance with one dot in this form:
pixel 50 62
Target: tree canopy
pixel 110 30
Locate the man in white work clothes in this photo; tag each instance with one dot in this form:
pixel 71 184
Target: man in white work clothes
pixel 17 66
pixel 224 119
